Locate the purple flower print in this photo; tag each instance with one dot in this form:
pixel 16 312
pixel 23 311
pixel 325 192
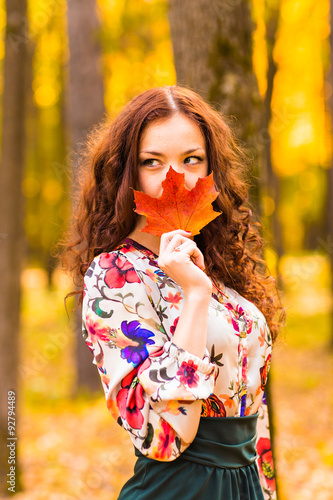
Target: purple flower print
pixel 134 331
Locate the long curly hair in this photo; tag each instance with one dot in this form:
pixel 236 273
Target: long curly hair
pixel 104 203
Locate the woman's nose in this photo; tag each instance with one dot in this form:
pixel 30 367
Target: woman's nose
pixel 180 169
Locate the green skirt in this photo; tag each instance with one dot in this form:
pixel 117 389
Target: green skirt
pixel 219 464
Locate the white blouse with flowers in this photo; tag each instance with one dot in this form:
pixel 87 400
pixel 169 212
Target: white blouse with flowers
pixel 153 388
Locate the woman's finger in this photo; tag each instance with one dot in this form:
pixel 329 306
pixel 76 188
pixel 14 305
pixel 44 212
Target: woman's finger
pixel 191 249
pixel 166 238
pixel 175 242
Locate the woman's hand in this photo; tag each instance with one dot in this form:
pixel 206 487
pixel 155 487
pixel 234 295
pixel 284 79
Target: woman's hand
pixel 182 260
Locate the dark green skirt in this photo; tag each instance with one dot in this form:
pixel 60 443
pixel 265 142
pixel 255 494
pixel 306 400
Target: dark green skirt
pixel 220 464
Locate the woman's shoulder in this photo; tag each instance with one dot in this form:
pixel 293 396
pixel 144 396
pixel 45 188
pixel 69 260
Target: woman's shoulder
pixel 128 265
pixel 127 253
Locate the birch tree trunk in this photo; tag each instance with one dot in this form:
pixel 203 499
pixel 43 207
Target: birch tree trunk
pixel 85 108
pixel 12 244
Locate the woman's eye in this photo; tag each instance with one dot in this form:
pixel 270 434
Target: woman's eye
pixel 196 158
pixel 150 162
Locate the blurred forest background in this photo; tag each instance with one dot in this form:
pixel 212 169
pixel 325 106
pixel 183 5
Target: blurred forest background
pixel 64 65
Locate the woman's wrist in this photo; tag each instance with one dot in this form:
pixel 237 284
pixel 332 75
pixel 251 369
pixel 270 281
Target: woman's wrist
pixel 191 330
pixel 199 295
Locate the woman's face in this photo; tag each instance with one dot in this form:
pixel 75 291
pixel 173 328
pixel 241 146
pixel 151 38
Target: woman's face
pixel 175 141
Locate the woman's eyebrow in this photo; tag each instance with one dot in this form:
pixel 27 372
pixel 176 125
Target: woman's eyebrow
pixel 155 153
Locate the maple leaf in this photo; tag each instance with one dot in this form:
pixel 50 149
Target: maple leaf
pixel 178 208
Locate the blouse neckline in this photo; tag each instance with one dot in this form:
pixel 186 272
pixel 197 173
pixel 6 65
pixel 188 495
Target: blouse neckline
pixel 142 248
pixel 151 255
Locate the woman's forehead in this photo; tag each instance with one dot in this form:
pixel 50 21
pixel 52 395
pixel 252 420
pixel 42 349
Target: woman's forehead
pixel 175 130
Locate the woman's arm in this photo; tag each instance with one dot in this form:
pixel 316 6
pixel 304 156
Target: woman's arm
pixel 181 259
pixel 191 331
pixel 153 387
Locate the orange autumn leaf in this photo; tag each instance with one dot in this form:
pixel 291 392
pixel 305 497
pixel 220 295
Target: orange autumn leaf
pixel 178 208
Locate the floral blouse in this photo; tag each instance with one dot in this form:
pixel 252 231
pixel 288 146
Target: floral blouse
pixel 152 387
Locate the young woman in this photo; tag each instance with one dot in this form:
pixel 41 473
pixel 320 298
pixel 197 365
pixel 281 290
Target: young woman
pixel 180 327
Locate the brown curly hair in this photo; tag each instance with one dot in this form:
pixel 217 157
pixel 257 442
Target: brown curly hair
pixel 104 215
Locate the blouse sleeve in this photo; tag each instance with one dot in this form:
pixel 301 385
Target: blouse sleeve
pixel 152 387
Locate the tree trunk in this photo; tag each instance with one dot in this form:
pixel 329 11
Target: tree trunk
pixel 12 244
pixel 85 108
pixel 212 46
pixel 272 181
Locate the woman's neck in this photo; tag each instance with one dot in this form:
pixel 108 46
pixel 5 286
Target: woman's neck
pixel 147 240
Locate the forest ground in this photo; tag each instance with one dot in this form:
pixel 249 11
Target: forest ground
pixel 72 449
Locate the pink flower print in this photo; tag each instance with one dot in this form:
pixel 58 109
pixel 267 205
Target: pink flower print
pixel 239 317
pixel 166 436
pixel 187 373
pixel 119 270
pixel 265 462
pixel 96 330
pixel 130 400
pixel 174 326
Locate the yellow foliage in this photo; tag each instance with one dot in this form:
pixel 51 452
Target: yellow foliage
pixel 260 65
pixel 30 187
pixel 34 278
pixel 45 96
pixel 307 180
pixel 50 45
pixel 2 18
pixel 271 259
pixel 298 125
pixel 137 62
pixel 268 205
pixel 52 191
